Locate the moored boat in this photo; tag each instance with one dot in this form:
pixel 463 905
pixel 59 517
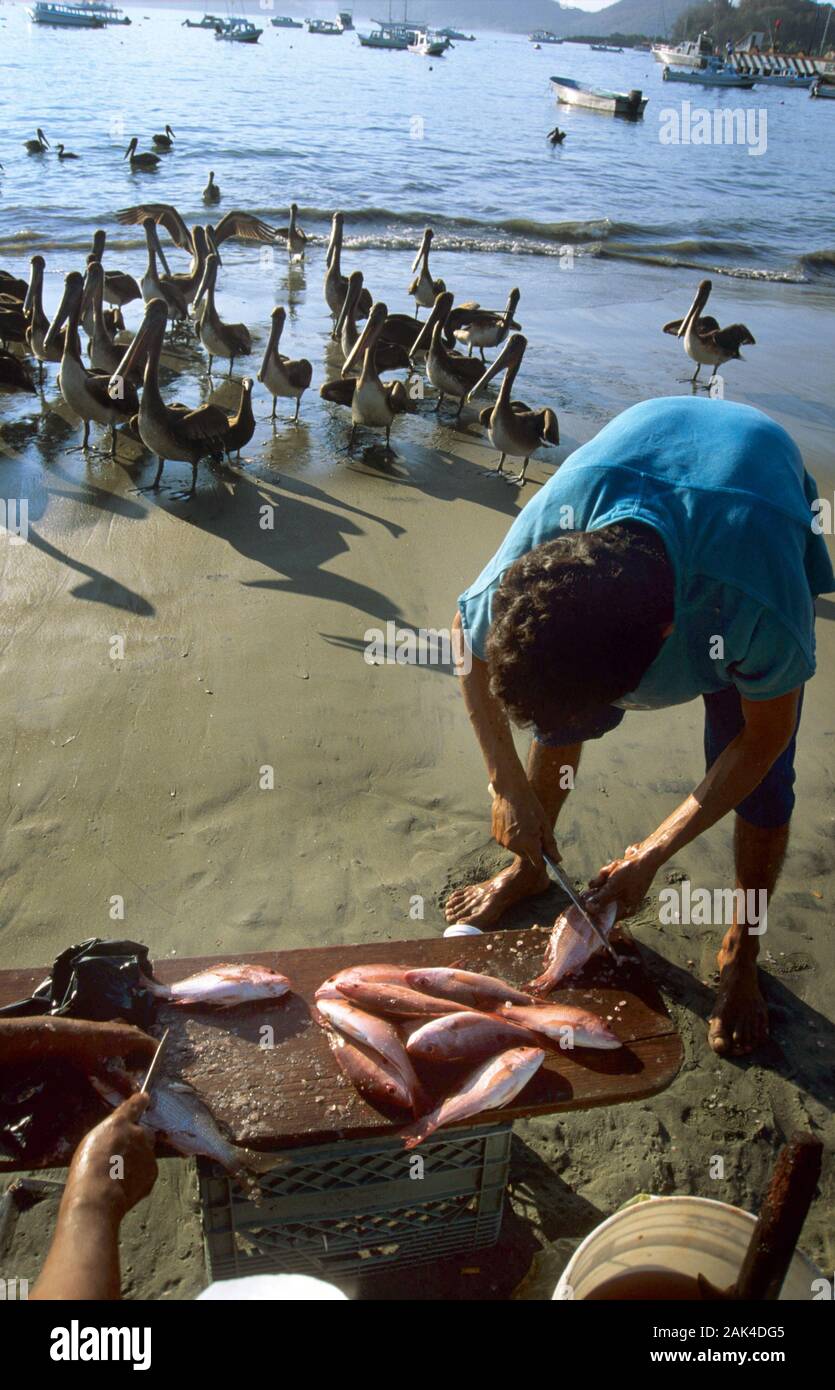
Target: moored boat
pixel 457 35
pixel 604 48
pixel 820 88
pixel 323 26
pixel 630 104
pixel 239 31
pixel 543 36
pixel 60 16
pixel 284 21
pixel 690 54
pixel 428 45
pixel 713 74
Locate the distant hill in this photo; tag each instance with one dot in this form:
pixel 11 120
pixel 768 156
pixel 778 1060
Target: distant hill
pixel 649 17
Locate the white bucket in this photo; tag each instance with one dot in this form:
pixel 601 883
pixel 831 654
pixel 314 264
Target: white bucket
pixel 692 1235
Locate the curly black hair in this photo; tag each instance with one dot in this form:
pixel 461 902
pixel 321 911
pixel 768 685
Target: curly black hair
pixel 577 622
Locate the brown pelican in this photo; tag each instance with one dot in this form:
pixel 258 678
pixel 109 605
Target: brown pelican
pixel 105 352
pixel 452 374
pixel 296 238
pixel 211 193
pixel 119 287
pixel 336 284
pixel 481 328
pixel 218 338
pixel 372 404
pixel 423 287
pixel 14 374
pixel 241 427
pixel 281 375
pixel 171 432
pixel 44 345
pixel 705 342
pixel 139 162
pixel 11 286
pixel 39 146
pixel 166 141
pixel 390 356
pixel 556 136
pixel 64 153
pixel 243 225
pixel 513 427
pixel 88 393
pixel 12 323
pixel 188 282
pixel 156 286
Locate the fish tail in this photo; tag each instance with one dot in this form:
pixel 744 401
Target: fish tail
pixel 416 1134
pixel 254 1161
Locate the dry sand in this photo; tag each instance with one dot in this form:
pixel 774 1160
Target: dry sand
pixel 243 647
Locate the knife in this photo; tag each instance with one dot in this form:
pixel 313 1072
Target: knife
pixel 566 887
pixel 154 1062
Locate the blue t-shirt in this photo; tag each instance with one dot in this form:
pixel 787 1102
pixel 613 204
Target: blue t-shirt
pixel 725 488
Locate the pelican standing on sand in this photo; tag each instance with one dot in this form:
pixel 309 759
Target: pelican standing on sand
pixel 391 353
pixel 166 141
pixel 372 403
pixel 105 352
pixel 218 338
pixel 705 342
pixel 170 432
pixel 336 284
pixel 481 328
pixel 423 287
pixel 281 375
pixel 449 372
pixel 119 287
pixel 39 146
pixel 211 193
pixel 138 162
pixel 43 346
pixel 514 428
pixel 88 393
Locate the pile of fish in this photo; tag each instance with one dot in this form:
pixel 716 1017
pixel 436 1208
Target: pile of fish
pixel 222 986
pixel 387 1023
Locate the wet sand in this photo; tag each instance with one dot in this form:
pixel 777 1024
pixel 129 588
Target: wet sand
pixel 243 648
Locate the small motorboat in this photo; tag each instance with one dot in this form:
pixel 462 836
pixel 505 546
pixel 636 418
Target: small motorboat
pixel 820 88
pixel 239 31
pixel 428 45
pixel 714 74
pixel 629 104
pixel 284 21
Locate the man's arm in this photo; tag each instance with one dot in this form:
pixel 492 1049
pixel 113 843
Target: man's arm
pixel 35 1037
pixel 739 769
pixel 519 821
pixel 83 1260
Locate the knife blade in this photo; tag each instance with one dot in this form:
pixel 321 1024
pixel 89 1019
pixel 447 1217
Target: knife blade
pixel 155 1061
pixel 566 887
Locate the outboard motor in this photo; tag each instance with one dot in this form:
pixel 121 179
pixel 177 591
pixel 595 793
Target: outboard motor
pixel 635 98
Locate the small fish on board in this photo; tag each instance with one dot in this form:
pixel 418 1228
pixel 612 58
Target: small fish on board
pixel 571 945
pixel 397 1001
pixel 223 986
pixel 469 1037
pixel 558 1022
pixel 489 1087
pixel 466 987
pixel 370 1073
pixel 178 1115
pixel 380 1037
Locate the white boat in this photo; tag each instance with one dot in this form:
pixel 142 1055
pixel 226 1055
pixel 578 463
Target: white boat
pixel 427 45
pixel 690 54
pixel 630 104
pixel 713 74
pixel 59 16
pixel 543 36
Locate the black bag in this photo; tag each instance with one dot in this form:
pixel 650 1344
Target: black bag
pixel 99 980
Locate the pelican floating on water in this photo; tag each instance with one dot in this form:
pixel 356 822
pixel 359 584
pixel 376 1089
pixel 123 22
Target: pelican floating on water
pixel 39 146
pixel 296 238
pixel 372 403
pixel 423 287
pixel 218 338
pixel 281 375
pixel 451 374
pixel 88 393
pixel 170 432
pixel 705 342
pixel 336 284
pixel 481 328
pixel 64 153
pixel 513 427
pixel 211 193
pixel 146 160
pixel 166 141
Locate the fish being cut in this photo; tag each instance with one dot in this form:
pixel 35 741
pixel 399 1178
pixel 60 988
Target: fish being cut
pixel 177 1114
pixel 380 1036
pixel 223 986
pixel 466 987
pixel 490 1086
pixel 571 945
pixel 375 1078
pixel 563 1024
pixel 467 1037
pixel 396 1001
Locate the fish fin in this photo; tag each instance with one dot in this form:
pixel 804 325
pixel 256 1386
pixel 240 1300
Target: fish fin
pixel 254 1161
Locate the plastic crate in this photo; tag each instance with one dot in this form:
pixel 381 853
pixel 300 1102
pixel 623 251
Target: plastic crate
pixel 354 1208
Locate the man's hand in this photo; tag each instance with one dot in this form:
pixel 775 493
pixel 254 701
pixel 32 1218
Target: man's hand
pixel 521 825
pixel 625 881
pixel 91 1177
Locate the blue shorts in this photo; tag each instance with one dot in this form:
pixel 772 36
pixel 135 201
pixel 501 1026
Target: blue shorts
pixel 768 807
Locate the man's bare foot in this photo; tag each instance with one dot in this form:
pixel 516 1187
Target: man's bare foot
pixel 482 904
pixel 739 1022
